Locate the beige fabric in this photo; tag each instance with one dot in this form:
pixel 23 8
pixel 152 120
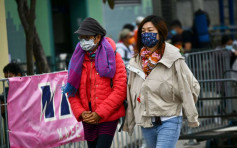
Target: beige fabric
pixel 169 87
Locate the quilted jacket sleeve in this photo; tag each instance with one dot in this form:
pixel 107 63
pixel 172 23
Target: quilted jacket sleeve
pixel 76 106
pixel 115 100
pixel 189 91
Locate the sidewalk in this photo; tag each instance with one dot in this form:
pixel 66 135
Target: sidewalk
pixel 183 144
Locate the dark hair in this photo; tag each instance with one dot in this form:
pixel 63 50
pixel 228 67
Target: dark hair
pixel 225 39
pixel 176 23
pixel 129 26
pixel 159 24
pixel 176 38
pixel 12 68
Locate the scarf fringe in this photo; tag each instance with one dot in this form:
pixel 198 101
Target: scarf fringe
pixel 70 90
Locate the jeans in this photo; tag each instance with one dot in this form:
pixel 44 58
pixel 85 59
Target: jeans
pixel 165 135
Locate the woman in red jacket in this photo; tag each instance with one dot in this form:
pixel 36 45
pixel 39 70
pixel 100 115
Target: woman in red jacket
pixel 96 84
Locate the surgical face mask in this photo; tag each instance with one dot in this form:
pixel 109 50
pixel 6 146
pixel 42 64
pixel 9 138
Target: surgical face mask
pixel 87 44
pixel 173 32
pixel 229 47
pixel 149 39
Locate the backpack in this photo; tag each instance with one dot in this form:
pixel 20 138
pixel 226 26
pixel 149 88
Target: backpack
pixel 201 23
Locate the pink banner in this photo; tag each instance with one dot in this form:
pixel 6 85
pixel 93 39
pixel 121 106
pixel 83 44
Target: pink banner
pixel 39 114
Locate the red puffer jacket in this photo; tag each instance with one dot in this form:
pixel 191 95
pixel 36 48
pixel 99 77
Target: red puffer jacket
pixel 107 102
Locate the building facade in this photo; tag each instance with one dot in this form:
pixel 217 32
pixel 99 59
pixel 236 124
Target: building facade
pixel 57 20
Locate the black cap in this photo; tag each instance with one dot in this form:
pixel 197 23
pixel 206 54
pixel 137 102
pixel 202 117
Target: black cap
pixel 90 27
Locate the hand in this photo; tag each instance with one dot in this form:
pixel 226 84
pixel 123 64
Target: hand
pixel 93 118
pixel 85 114
pixel 235 52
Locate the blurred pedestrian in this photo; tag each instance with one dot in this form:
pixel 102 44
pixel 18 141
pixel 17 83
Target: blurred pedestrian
pixel 129 26
pixel 185 36
pixel 160 84
pixel 125 46
pixel 225 70
pixel 10 70
pixel 139 19
pixel 200 26
pixel 176 40
pixel 94 101
pixel 227 43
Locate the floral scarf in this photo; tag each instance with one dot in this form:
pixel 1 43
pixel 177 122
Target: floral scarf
pixel 91 55
pixel 150 59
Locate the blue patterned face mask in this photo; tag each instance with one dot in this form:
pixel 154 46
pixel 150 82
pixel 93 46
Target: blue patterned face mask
pixel 149 39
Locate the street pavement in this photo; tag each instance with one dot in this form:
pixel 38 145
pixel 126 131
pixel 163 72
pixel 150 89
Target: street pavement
pixel 184 144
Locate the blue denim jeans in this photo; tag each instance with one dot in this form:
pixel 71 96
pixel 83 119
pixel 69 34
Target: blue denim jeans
pixel 165 135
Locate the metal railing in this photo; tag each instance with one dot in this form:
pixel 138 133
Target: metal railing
pixel 215 105
pixel 218 98
pixel 4 138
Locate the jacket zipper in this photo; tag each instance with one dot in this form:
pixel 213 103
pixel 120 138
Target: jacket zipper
pixel 95 92
pixel 90 87
pixel 173 71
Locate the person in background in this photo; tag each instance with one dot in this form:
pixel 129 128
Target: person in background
pixel 125 46
pixel 177 42
pixel 129 26
pixel 139 19
pixel 186 36
pixel 201 37
pixel 160 84
pixel 225 49
pixel 10 70
pixel 94 101
pixel 227 43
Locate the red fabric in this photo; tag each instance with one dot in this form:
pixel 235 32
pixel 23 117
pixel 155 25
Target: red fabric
pixel 135 35
pixel 107 102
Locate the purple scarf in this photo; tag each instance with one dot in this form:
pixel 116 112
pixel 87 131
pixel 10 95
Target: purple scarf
pixel 105 65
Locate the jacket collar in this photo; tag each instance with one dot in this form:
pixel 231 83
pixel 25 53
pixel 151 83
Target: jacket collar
pixel 171 54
